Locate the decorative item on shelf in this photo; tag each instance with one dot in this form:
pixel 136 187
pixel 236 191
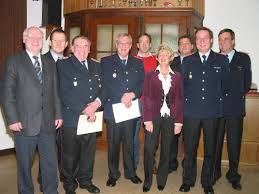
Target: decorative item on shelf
pixel 154 1
pixel 92 4
pixel 146 2
pixel 187 3
pixel 141 3
pixel 100 3
pixel 167 3
pixel 179 2
pixel 113 3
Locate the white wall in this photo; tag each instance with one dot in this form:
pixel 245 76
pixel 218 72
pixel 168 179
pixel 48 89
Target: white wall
pixel 242 16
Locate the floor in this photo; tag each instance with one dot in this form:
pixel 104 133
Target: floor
pixel 249 181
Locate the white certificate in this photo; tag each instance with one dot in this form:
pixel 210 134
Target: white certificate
pixel 122 113
pixel 85 127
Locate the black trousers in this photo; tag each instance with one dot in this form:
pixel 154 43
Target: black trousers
pixel 233 126
pixel 120 133
pixel 173 164
pixel 78 157
pixel 165 126
pixel 192 131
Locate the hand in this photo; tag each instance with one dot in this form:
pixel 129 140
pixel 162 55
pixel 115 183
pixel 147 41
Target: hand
pixel 91 118
pixel 177 129
pixel 127 98
pixel 149 126
pixel 91 108
pixel 16 127
pixel 58 123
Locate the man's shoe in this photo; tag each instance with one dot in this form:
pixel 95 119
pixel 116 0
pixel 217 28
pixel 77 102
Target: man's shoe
pixel 111 182
pixel 145 189
pixel 236 186
pixel 184 188
pixel 136 180
pixel 160 187
pixel 91 188
pixel 208 190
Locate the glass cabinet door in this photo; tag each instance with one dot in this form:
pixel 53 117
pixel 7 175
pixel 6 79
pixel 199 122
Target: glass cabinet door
pixel 106 37
pixel 163 34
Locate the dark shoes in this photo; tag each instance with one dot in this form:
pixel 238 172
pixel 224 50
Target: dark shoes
pixel 237 186
pixel 208 190
pixel 91 188
pixel 111 182
pixel 160 187
pixel 184 188
pixel 145 189
pixel 136 180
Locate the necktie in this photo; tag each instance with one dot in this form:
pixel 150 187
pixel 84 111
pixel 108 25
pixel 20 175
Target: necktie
pixel 123 62
pixel 228 58
pixel 204 59
pixel 83 63
pixel 37 68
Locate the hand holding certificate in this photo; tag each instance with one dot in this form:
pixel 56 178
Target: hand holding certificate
pixel 85 127
pixel 122 113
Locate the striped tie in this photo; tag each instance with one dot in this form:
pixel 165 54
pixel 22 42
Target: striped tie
pixel 37 68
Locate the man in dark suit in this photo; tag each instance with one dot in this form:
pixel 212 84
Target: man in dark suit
pixel 234 107
pixel 205 81
pixel 185 47
pixel 123 80
pixel 32 111
pixel 58 43
pixel 80 85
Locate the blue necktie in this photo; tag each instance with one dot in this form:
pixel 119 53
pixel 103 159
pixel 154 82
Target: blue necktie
pixel 36 65
pixel 83 63
pixel 123 62
pixel 204 59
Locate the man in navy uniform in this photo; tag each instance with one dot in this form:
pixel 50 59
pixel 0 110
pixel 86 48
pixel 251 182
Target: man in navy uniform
pixel 80 92
pixel 123 81
pixel 234 107
pixel 185 47
pixel 205 80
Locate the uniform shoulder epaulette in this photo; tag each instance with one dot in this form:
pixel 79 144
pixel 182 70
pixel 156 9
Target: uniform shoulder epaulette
pixel 95 60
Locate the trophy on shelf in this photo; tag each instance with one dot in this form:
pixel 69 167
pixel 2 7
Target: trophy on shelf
pixel 179 2
pixel 187 2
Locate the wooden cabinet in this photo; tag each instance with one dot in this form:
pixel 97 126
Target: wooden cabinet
pixel 250 140
pixel 164 26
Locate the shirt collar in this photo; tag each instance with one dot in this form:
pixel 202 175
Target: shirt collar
pixel 206 54
pixel 139 55
pixel 170 70
pixel 56 56
pixel 231 55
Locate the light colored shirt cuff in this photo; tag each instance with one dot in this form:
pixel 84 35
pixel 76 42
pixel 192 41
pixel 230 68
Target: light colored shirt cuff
pixel 179 124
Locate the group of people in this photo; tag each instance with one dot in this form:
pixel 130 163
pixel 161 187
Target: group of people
pixel 44 95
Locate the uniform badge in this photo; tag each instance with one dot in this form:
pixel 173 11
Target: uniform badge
pixel 114 75
pixel 190 75
pixel 75 82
